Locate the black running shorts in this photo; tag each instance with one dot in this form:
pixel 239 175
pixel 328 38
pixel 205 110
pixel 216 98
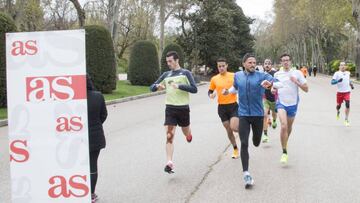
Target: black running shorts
pixel 227 111
pixel 177 116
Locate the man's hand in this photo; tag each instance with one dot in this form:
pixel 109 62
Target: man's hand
pixel 160 87
pixel 213 95
pixel 294 80
pixel 174 85
pixel 340 80
pixel 266 84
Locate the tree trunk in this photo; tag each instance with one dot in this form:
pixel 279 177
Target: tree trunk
pixel 9 7
pixel 313 52
pixel 80 11
pixel 162 26
pixel 320 58
pixel 305 52
pixel 114 9
pixel 356 15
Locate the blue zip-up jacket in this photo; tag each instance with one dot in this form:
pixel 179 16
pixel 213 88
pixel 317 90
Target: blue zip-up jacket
pixel 250 92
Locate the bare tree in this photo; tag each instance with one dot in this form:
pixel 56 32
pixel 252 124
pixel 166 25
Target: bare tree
pixel 136 22
pixel 356 15
pixel 113 15
pixel 59 14
pixel 80 12
pixel 166 9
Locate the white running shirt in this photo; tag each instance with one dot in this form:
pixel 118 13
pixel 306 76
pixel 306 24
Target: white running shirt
pixel 289 92
pixel 344 85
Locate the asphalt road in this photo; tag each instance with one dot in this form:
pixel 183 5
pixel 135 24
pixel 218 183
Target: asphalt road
pixel 324 155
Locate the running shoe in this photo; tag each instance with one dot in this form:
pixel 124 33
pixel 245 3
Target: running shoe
pixel 284 158
pixel 235 154
pixel 265 138
pixel 188 138
pixel 338 115
pixel 94 198
pixel 274 124
pixel 169 168
pixel 347 123
pixel 249 181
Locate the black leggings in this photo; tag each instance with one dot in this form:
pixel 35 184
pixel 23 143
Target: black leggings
pixel 256 123
pixel 93 169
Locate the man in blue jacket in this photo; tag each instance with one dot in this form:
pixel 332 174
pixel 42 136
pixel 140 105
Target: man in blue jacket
pixel 250 86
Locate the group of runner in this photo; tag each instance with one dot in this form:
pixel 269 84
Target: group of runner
pixel 245 100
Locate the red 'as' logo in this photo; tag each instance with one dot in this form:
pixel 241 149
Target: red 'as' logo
pixel 76 186
pixel 69 124
pixel 50 88
pixel 24 48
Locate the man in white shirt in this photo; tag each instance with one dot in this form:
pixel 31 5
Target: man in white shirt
pixel 288 99
pixel 341 79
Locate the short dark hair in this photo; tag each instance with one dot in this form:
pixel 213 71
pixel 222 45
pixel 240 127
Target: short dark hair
pixel 246 56
pixel 174 54
pixel 221 60
pixel 268 59
pixel 282 56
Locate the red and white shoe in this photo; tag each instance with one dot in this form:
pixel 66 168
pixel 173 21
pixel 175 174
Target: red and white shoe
pixel 189 138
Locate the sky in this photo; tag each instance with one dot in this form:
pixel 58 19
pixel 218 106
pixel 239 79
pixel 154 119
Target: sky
pixel 257 8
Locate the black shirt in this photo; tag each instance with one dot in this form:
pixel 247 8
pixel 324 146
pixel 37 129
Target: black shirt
pixel 268 95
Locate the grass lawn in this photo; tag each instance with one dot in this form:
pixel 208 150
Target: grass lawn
pixel 123 89
pixel 3 113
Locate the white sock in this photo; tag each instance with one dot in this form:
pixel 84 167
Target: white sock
pixel 246 173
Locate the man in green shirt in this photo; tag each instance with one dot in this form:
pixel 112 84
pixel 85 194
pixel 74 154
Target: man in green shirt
pixel 178 83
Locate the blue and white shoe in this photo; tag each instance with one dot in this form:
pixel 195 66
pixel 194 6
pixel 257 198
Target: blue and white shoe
pixel 249 181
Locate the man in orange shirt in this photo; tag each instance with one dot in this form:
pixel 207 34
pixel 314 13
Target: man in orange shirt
pixel 304 70
pixel 228 107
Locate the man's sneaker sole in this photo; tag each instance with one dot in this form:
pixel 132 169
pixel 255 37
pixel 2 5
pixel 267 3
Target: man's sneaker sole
pixel 265 139
pixel 249 185
pixel 94 198
pixel 234 156
pixel 168 169
pixel 284 159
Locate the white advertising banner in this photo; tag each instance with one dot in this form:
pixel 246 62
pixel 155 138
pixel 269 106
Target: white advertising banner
pixel 47 117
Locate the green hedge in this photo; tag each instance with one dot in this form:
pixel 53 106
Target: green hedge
pixel 6 25
pixel 143 64
pixel 171 47
pixel 100 58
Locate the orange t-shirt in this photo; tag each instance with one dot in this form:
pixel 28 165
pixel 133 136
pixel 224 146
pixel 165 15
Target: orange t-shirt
pixel 304 71
pixel 220 82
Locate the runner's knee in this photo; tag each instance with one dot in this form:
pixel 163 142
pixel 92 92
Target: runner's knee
pixel 244 146
pixel 169 137
pixel 284 126
pixel 347 104
pixel 338 107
